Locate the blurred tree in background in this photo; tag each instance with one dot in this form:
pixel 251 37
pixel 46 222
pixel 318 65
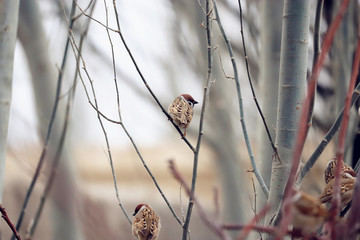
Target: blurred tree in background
pixel 102 74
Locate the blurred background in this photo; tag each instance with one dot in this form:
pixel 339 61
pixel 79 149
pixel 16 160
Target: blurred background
pixel 168 43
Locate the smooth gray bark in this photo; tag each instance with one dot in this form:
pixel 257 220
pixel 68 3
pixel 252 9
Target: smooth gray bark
pixel 9 12
pixel 44 75
pixel 270 34
pixel 293 68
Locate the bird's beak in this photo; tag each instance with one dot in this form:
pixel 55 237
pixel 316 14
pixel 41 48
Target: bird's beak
pixel 134 213
pixel 195 102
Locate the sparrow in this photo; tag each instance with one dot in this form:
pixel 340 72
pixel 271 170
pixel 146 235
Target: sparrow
pixel 146 224
pixel 309 214
pixel 347 182
pixel 329 173
pixel 181 111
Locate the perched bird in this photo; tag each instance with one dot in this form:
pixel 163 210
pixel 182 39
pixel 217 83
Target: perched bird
pixel 146 224
pixel 309 214
pixel 330 170
pixel 347 182
pixel 181 111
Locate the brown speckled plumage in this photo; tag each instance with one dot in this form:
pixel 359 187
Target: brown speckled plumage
pixel 181 110
pixel 146 224
pixel 329 173
pixel 347 183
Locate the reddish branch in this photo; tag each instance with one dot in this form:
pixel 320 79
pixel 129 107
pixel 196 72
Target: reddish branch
pixel 335 204
pixel 8 221
pixel 303 126
pixel 250 226
pixel 353 221
pixel 212 223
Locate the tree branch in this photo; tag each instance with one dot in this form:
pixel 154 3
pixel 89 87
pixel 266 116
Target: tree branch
pixel 211 222
pixel 8 221
pixel 49 131
pixel 252 87
pixel 144 80
pixel 209 12
pixel 242 119
pixel 336 200
pixel 55 163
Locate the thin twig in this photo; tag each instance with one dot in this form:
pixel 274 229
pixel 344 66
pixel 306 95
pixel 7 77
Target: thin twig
pixel 95 20
pixel 118 104
pixel 49 130
pixel 317 51
pixel 208 22
pixel 8 221
pixel 122 124
pixel 248 227
pixel 144 80
pixel 211 222
pixel 327 138
pixel 95 106
pixel 251 85
pixel 82 11
pixel 353 219
pixel 78 56
pixel 336 199
pixel 242 119
pixel 62 137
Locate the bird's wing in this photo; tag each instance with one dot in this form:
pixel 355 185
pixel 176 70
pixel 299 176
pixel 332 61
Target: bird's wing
pixel 154 222
pixel 181 110
pixel 311 206
pixel 188 114
pixel 139 227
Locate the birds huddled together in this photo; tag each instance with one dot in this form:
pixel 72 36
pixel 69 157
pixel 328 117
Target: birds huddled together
pixel 146 224
pixel 310 212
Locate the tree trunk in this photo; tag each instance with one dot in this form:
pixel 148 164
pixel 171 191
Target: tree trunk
pixel 9 12
pixel 270 34
pixel 293 68
pixel 42 68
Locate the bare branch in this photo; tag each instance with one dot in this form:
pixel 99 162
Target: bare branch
pixel 250 226
pixel 49 131
pixel 242 119
pixel 312 84
pixel 78 57
pixel 317 50
pixel 55 163
pixel 95 20
pixel 336 200
pixel 212 223
pixel 251 85
pixel 327 138
pixel 208 22
pixel 8 221
pixel 144 80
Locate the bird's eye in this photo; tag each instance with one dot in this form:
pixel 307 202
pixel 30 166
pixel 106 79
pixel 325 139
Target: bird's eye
pixel 191 104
